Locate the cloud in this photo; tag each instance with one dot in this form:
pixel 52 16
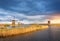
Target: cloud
pixel 33 7
pixel 33 22
pixel 28 11
pixel 9 15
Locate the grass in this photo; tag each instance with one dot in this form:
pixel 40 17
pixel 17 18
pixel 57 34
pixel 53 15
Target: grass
pixel 17 31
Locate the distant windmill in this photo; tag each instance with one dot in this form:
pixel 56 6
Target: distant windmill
pixel 13 22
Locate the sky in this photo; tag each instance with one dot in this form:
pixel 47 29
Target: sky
pixel 29 11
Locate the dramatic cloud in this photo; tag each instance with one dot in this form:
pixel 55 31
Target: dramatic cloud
pixel 28 11
pixel 9 15
pixel 32 7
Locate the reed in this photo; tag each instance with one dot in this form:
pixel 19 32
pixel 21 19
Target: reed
pixel 17 31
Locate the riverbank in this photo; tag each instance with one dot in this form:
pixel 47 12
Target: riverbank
pixel 18 31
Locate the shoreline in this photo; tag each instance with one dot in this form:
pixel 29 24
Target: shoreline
pixel 19 31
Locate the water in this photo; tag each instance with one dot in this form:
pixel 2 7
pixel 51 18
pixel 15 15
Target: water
pixel 24 25
pixel 51 34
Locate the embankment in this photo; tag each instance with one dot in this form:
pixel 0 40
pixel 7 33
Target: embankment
pixel 16 31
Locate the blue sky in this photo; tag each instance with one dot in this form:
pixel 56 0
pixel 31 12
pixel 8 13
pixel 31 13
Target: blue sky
pixel 29 11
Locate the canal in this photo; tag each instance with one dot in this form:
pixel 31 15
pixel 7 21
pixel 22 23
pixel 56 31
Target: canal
pixel 50 34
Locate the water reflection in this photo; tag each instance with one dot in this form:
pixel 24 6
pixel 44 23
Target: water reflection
pixel 51 34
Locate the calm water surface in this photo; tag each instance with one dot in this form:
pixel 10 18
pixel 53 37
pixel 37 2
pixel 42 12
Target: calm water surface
pixel 51 34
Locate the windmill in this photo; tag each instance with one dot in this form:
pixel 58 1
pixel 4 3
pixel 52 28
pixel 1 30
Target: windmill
pixel 13 22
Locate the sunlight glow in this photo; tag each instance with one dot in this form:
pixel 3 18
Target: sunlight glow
pixel 55 19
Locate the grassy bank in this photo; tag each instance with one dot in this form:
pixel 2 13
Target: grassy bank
pixel 55 24
pixel 17 31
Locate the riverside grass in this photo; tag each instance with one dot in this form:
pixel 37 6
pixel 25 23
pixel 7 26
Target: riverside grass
pixel 18 31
